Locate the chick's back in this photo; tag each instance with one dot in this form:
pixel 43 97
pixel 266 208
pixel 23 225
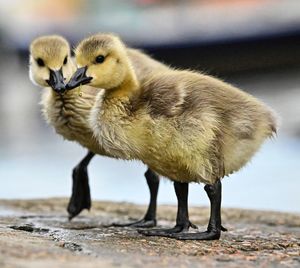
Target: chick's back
pixel 231 122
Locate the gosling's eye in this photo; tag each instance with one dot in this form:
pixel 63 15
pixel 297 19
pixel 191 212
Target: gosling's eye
pixel 99 59
pixel 40 62
pixel 66 60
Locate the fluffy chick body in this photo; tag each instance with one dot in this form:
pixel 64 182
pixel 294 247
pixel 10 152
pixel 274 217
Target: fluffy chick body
pixel 184 125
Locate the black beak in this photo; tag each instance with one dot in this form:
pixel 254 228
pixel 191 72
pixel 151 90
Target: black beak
pixel 56 81
pixel 78 78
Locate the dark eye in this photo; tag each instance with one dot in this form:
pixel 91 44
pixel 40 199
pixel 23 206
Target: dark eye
pixel 66 60
pixel 40 62
pixel 99 59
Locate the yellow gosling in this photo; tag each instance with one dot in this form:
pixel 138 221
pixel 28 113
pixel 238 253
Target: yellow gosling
pixel 68 112
pixel 186 126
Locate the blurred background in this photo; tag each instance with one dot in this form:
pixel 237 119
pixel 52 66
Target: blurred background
pixel 253 44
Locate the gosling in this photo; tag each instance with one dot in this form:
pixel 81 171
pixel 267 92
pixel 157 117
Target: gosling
pixel 186 126
pixel 68 113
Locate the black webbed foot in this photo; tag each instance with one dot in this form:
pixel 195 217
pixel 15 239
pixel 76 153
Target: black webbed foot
pixel 182 220
pixel 81 197
pixel 179 228
pixel 207 235
pixel 149 219
pixel 223 229
pixel 136 224
pixel 214 226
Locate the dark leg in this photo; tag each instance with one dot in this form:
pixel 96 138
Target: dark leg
pixel 81 197
pixel 182 220
pixel 149 219
pixel 214 226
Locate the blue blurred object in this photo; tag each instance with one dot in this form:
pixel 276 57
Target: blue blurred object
pixel 150 23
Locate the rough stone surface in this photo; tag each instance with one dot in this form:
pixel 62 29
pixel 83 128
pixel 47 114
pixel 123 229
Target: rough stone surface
pixel 36 233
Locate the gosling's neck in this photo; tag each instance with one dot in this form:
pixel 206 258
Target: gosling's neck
pixel 66 94
pixel 127 90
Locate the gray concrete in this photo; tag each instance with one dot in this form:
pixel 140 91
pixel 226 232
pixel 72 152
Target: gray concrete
pixel 37 234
